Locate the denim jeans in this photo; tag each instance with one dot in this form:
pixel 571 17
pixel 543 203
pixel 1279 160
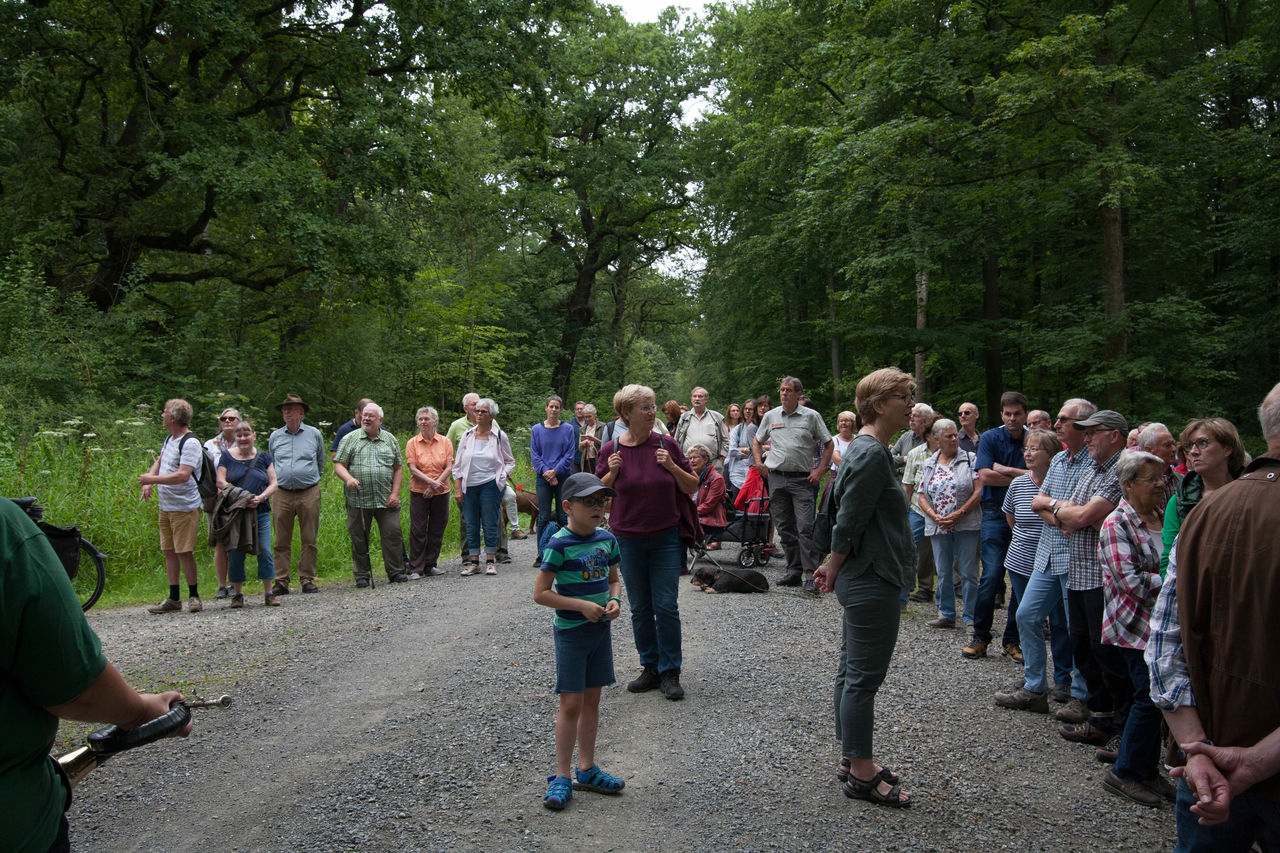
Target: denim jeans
pixel 996 536
pixel 266 565
pixel 1139 756
pixel 549 506
pixel 960 548
pixel 869 634
pixel 651 571
pixel 1252 819
pixel 1043 595
pixel 480 506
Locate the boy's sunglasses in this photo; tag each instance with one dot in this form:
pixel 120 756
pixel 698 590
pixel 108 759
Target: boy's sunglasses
pixel 593 502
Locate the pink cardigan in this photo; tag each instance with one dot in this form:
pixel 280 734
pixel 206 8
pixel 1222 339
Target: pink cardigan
pixel 462 462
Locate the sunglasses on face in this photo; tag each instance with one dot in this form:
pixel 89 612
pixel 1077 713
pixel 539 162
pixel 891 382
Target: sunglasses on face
pixel 593 503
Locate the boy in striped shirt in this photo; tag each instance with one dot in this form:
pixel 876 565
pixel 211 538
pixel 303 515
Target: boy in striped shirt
pixel 579 578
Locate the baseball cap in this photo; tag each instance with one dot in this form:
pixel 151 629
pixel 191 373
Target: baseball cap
pixel 1104 418
pixel 581 485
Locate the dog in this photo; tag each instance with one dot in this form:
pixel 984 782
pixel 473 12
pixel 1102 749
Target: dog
pixel 729 579
pixel 527 501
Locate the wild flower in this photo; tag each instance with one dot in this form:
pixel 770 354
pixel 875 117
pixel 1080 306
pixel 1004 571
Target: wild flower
pixel 89 435
pixel 142 406
pixel 119 420
pixel 326 423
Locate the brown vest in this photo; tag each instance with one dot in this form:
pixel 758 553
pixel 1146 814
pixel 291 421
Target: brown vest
pixel 1229 606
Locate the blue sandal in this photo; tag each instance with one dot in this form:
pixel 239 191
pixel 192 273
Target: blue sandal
pixel 595 779
pixel 559 790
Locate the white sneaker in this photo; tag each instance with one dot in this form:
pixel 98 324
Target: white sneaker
pixel 413 576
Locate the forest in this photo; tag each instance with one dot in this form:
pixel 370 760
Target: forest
pixel 229 200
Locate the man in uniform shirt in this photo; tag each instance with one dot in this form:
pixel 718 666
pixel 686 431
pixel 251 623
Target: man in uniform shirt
pixel 791 430
pixel 297 450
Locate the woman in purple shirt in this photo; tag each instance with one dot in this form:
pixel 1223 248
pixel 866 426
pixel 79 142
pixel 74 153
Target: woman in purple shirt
pixel 651 475
pixel 551 448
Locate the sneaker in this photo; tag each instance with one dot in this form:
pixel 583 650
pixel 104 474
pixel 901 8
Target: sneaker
pixel 279 588
pixel 790 579
pixel 490 569
pixel 362 583
pixel 1130 790
pixel 517 533
pixel 1061 693
pixel 169 605
pixel 811 588
pixel 504 557
pixel 976 649
pixel 669 681
pixel 1072 712
pixel 1012 651
pixel 413 576
pixel 471 569
pixel 223 592
pixel 307 587
pixel 194 605
pixel 433 572
pixel 398 577
pixel 270 600
pixel 559 790
pixel 1023 699
pixel 537 562
pixel 647 680
pixel 237 601
pixel 941 622
pixel 1108 752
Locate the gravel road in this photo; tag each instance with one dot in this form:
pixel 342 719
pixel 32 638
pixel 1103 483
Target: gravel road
pixel 420 716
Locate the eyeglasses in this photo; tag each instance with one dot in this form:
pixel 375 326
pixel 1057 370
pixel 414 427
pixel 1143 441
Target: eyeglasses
pixel 1064 420
pixel 1200 444
pixel 648 407
pixel 482 411
pixel 226 418
pixel 593 503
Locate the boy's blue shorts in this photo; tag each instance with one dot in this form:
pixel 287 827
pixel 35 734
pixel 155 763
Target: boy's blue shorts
pixel 584 657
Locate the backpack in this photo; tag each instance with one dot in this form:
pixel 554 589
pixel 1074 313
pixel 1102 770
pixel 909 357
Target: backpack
pixel 206 475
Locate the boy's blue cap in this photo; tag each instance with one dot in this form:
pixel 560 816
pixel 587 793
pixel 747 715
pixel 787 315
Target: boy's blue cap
pixel 582 485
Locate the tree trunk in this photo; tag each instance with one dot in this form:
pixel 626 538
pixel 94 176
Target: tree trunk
pixel 992 359
pixel 922 321
pixel 835 336
pixel 1112 222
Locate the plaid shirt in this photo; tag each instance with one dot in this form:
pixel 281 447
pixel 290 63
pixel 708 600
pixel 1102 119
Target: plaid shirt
pixel 1170 681
pixel 1098 481
pixel 373 462
pixel 912 470
pixel 1052 551
pixel 1130 577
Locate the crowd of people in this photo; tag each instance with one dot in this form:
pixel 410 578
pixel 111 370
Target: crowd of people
pixel 1088 516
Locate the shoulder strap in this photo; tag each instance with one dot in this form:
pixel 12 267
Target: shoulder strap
pixel 199 469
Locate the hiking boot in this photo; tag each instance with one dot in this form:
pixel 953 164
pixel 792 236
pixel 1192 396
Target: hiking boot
pixel 194 605
pixel 1131 790
pixel 811 588
pixel 223 592
pixel 1109 752
pixel 941 622
pixel 1159 784
pixel 398 577
pixel 647 680
pixel 169 605
pixel 1012 651
pixel 307 587
pixel 1061 693
pixel 1023 699
pixel 361 583
pixel 920 595
pixel 669 681
pixel 517 533
pixel 1085 733
pixel 279 588
pixel 1072 712
pixel 270 600
pixel 791 579
pixel 976 649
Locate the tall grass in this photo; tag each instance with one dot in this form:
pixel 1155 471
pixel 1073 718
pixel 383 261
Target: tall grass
pixel 86 474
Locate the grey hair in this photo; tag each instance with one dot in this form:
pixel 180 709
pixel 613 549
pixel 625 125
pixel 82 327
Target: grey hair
pixel 940 425
pixel 467 396
pixel 244 422
pixel 429 411
pixel 1147 438
pixel 589 409
pixel 788 380
pixel 1132 461
pixel 490 404
pixel 557 398
pixel 1082 407
pixel 924 409
pixel 373 405
pixel 1269 414
pixel 699 449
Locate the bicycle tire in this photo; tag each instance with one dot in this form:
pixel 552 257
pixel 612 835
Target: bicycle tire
pixel 89 584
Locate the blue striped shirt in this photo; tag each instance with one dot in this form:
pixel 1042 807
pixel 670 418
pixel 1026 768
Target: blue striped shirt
pixel 582 565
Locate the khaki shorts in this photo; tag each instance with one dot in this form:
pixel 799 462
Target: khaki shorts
pixel 178 530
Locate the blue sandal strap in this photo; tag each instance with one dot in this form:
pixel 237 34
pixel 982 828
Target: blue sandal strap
pixel 595 779
pixel 559 790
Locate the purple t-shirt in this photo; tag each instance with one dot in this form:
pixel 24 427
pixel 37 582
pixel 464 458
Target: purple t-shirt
pixel 647 492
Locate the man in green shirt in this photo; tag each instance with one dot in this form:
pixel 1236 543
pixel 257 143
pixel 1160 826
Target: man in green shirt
pixel 369 463
pixel 51 667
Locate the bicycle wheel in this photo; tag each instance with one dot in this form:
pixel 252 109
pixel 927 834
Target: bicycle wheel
pixel 91 577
